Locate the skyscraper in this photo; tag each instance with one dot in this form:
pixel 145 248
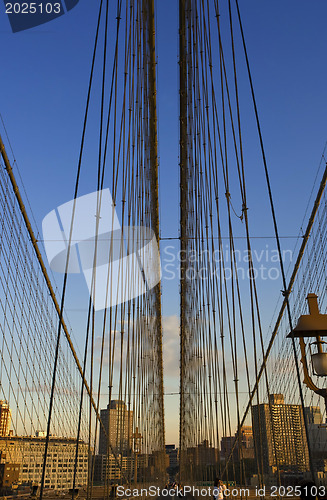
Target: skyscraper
pixel 5 418
pixel 279 435
pixel 118 421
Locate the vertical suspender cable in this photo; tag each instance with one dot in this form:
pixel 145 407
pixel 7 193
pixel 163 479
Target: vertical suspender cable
pixel 277 241
pixel 183 231
pixel 285 301
pixel 155 205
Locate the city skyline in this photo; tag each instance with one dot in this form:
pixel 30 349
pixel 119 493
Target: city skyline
pixel 203 122
pixel 287 51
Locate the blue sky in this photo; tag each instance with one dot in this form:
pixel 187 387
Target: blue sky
pixel 43 90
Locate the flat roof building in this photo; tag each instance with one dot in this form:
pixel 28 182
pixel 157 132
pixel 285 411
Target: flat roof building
pixel 28 452
pixel 279 435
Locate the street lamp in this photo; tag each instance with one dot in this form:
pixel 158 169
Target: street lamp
pixel 313 325
pixel 319 359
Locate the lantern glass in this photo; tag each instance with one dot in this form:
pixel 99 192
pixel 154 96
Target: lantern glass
pixel 319 363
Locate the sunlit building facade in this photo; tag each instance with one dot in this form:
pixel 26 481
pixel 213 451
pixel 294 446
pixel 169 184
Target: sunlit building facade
pixel 5 418
pixel 117 420
pixel 279 436
pixel 27 452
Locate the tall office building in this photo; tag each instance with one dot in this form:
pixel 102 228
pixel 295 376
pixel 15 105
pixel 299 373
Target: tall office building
pixel 5 418
pixel 279 435
pixel 118 421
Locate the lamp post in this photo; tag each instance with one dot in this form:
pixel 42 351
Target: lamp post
pixel 313 326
